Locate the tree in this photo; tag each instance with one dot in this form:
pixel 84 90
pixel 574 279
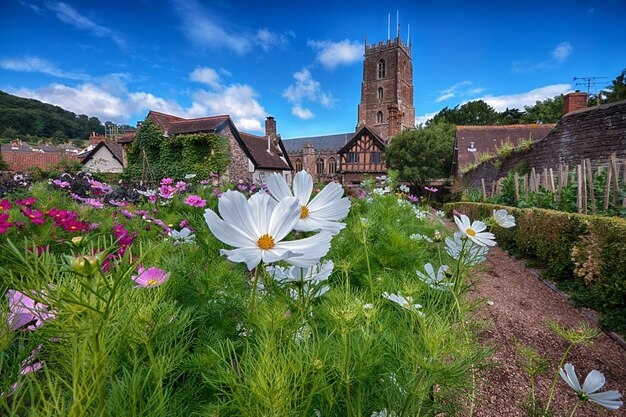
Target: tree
pixel 617 90
pixel 423 154
pixel 510 117
pixel 549 110
pixel 471 113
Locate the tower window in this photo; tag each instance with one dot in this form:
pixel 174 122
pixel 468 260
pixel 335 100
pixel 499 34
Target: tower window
pixel 298 165
pixel 380 92
pixel 379 117
pixel 381 68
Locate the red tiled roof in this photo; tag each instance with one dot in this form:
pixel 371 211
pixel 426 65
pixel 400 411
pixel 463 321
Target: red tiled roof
pixel 257 145
pixel 204 124
pixel 486 139
pixel 162 120
pixel 127 137
pixel 23 160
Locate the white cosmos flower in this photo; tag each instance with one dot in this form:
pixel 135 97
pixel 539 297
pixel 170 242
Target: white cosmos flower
pixel 183 237
pixel 256 228
pixel 594 381
pixel 404 188
pixel 432 279
pixel 474 254
pixel 404 302
pixel 474 231
pixel 315 273
pixel 503 218
pixel 320 213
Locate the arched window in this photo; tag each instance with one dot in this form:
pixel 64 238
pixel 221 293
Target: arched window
pixel 298 165
pixel 379 117
pixel 381 68
pixel 332 166
pixel 380 92
pixel 320 166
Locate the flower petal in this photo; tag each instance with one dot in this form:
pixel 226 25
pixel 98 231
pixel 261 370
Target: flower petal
pixel 261 212
pixel 303 187
pixel 278 187
pixel 569 375
pixel 313 249
pixel 250 255
pixel 226 233
pixel 235 210
pixel 284 217
pixel 607 399
pixel 312 224
pixel 594 381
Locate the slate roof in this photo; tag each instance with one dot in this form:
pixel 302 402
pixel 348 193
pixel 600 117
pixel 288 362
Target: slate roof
pixel 257 145
pixel 487 139
pixel 327 142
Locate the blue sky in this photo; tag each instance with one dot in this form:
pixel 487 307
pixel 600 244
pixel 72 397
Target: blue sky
pixel 300 62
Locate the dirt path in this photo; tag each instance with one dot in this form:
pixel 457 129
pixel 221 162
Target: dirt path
pixel 521 302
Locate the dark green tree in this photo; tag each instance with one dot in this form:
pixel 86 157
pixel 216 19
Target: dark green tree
pixel 471 113
pixel 617 90
pixel 423 154
pixel 549 110
pixel 510 117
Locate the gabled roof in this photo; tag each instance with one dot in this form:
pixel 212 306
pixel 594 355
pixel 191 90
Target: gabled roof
pixel 363 131
pixel 204 125
pixel 257 145
pixel 486 139
pixel 162 120
pixel 327 142
pixel 115 149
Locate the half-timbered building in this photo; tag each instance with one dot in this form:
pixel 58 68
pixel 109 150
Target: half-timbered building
pixel 362 156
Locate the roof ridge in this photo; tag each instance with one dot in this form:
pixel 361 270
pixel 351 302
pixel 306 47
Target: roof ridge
pixel 531 125
pixel 197 119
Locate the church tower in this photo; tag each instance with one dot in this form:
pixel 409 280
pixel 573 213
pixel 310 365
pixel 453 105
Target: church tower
pixel 387 89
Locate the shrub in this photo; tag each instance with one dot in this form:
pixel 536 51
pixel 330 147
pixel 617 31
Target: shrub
pixel 586 254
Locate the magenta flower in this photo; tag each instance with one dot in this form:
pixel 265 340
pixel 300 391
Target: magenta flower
pixel 196 201
pixel 183 223
pixel 153 198
pixel 141 212
pixel 413 199
pixel 4 224
pixel 127 214
pixel 5 204
pixel 212 174
pixel 27 202
pixel 36 217
pixel 73 226
pixel 166 191
pixel 118 203
pixel 167 181
pixel 151 277
pixel 23 311
pixel 431 189
pixel 40 250
pixel 205 182
pixel 61 184
pixel 181 186
pixel 95 203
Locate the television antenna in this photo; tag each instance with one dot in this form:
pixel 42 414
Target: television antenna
pixel 589 81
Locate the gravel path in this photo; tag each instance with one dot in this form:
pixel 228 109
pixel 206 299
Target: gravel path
pixel 521 303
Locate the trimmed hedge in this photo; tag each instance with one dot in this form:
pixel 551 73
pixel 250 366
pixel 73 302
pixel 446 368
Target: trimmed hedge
pixel 585 254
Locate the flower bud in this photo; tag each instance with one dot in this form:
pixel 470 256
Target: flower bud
pixel 76 240
pixel 85 264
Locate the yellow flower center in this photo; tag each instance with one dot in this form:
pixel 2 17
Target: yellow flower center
pixel 304 212
pixel 266 242
pixel 471 232
pixel 407 305
pixel 152 282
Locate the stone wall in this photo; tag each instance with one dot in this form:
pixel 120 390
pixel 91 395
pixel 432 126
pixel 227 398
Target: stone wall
pixel 238 166
pixel 593 133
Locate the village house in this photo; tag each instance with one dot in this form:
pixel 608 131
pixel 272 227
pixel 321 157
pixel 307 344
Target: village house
pixel 103 155
pixel 252 158
pixel 22 157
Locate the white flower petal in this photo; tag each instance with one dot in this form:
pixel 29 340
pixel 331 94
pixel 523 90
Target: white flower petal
pixel 311 225
pixel 607 399
pixel 594 381
pixel 569 375
pixel 225 232
pixel 277 254
pixel 261 212
pixel 278 187
pixel 303 187
pixel 313 249
pixel 250 255
pixel 235 211
pixel 284 217
pixel 478 226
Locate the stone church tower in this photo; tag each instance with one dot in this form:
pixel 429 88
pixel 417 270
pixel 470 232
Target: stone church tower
pixel 387 89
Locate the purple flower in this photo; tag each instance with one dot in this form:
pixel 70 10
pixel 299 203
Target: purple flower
pixel 195 201
pixel 181 186
pixel 127 214
pixel 205 182
pixel 153 198
pixel 95 203
pixel 456 213
pixel 4 224
pixel 61 184
pixel 5 204
pixel 151 277
pixel 183 223
pixel 141 212
pixel 27 202
pixel 118 203
pixel 167 181
pixel 167 191
pixel 23 311
pixel 431 189
pixel 212 174
pixel 36 217
pixel 413 199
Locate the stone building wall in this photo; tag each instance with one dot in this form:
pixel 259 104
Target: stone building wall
pixel 238 165
pixel 309 155
pixel 593 133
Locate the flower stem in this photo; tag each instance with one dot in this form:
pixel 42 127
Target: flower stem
pixel 574 409
pixel 556 376
pixel 252 300
pixel 369 268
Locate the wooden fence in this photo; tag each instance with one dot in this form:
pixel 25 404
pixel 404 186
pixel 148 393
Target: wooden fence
pixel 583 174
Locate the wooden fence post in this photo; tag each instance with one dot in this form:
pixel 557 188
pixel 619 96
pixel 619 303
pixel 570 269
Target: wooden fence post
pixel 607 188
pixel 561 179
pixel 493 188
pixel 615 169
pixel 579 194
pixel 590 179
pixel 526 186
pixel 482 180
pixel 516 179
pixel 584 185
pixel 545 178
pixel 533 180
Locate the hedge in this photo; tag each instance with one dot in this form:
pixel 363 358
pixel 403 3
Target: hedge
pixel 586 255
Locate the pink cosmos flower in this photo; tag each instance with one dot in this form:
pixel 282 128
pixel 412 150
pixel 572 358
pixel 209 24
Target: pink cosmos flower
pixel 413 199
pixel 36 217
pixel 181 186
pixel 61 184
pixel 195 201
pixel 5 204
pixel 40 249
pixel 205 182
pixel 27 202
pixel 73 226
pixel 23 311
pixel 4 224
pixel 151 277
pixel 153 198
pixel 183 223
pixel 92 202
pixel 167 181
pixel 118 203
pixel 127 214
pixel 431 189
pixel 212 174
pixel 166 191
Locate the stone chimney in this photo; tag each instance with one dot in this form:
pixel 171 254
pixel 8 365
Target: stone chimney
pixel 95 139
pixel 394 126
pixel 574 101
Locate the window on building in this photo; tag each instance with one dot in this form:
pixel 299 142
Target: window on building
pixel 298 165
pixel 381 68
pixel 380 92
pixel 379 117
pixel 376 157
pixel 332 166
pixel 319 166
pixel 353 157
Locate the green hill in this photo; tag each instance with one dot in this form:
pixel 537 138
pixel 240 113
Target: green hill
pixel 33 121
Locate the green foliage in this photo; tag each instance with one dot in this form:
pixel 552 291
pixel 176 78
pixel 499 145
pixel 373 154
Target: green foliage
pixel 616 91
pixel 22 118
pixel 423 154
pixel 549 110
pixel 570 245
pixel 472 113
pixel 152 156
pixel 3 164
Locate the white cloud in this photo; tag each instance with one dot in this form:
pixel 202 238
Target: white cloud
pixel 305 88
pixel 558 55
pixel 72 17
pixel 562 51
pixel 206 76
pixel 35 64
pixel 331 54
pixel 423 118
pixel 459 89
pixel 301 112
pixel 527 98
pixel 210 32
pixel 237 100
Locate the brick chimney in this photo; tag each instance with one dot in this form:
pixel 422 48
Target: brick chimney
pixel 270 127
pixel 574 101
pixel 95 139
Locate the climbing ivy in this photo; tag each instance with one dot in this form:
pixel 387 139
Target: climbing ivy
pixel 152 156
